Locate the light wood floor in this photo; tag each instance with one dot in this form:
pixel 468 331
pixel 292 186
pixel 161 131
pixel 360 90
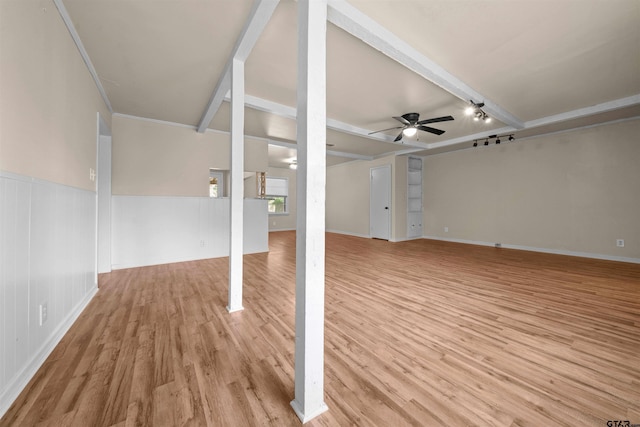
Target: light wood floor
pixel 417 333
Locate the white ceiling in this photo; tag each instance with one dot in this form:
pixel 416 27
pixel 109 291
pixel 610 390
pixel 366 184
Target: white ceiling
pixel 540 65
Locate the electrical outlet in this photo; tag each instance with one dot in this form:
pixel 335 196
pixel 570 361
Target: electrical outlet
pixel 620 243
pixel 446 229
pixel 92 174
pixel 43 313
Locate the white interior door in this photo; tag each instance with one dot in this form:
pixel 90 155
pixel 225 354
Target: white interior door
pixel 104 203
pixel 380 202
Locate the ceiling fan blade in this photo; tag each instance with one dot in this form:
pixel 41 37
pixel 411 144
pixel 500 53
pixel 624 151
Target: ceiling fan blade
pixel 436 120
pixel 384 130
pixel 398 138
pixel 402 120
pixel 430 129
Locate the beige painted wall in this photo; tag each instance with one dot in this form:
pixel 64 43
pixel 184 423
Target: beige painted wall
pixel 575 191
pixel 348 196
pixel 48 100
pixel 285 222
pixel 158 159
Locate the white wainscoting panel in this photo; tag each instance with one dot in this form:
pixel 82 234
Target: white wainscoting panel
pixel 47 256
pixel 151 230
pixel 256 226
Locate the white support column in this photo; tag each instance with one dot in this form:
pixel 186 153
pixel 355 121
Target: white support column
pixel 311 183
pixel 236 204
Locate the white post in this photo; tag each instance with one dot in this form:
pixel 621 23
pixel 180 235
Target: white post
pixel 311 181
pixel 236 206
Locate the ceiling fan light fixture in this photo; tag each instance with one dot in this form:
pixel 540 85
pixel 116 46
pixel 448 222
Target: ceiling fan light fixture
pixel 410 131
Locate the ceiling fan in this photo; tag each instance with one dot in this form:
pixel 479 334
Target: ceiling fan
pixel 411 124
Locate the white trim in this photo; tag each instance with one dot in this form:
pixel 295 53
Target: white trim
pixel 85 56
pixel 404 239
pixel 275 230
pixel 258 18
pixel 24 178
pixel 21 380
pixel 542 250
pixel 348 233
pixel 584 112
pixel 350 19
pixel 308 417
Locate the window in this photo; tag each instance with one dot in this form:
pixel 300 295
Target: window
pixel 216 184
pixel 277 191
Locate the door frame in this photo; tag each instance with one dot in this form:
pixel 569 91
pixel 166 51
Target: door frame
pixel 390 186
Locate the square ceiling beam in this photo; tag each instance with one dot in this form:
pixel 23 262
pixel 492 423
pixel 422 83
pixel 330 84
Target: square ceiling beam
pixel 290 113
pixel 258 18
pixel 356 23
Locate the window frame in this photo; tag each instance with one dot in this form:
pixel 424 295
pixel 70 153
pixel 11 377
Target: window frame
pixel 270 197
pixel 219 175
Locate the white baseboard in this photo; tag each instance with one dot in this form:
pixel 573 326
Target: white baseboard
pixel 273 230
pixel 405 239
pixel 364 236
pixel 20 381
pixel 542 250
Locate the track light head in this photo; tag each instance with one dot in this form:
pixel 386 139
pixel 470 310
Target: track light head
pixel 475 143
pixel 477 112
pixel 511 138
pixel 497 140
pixel 486 142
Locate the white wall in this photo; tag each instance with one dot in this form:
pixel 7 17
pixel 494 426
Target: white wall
pixel 48 129
pixel 162 159
pixel 48 100
pixel 574 192
pixel 150 230
pixel 347 207
pixel 47 254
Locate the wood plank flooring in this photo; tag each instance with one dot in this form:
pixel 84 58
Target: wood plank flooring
pixel 418 333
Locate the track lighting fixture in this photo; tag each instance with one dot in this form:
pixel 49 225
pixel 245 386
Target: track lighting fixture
pixel 497 139
pixel 477 112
